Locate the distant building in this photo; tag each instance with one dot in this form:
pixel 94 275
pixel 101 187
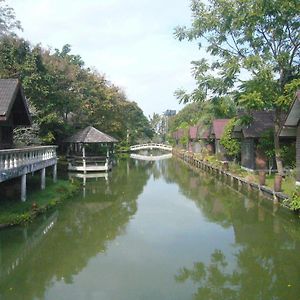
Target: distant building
pixel 169 113
pixel 164 125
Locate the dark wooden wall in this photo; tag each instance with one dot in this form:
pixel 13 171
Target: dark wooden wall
pixel 6 137
pixel 248 154
pixel 298 154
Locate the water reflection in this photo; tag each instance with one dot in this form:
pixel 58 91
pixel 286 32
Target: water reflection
pixel 262 263
pixel 83 230
pixel 26 240
pixel 154 230
pixel 151 157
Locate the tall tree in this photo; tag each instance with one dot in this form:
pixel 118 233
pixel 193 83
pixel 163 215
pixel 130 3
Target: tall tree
pixel 66 96
pixel 261 37
pixel 155 121
pixel 8 22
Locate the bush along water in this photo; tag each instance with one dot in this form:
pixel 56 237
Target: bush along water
pixel 16 212
pixel 294 201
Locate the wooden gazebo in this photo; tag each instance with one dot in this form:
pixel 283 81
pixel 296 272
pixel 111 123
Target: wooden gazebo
pixel 90 150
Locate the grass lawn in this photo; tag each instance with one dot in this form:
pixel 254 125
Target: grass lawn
pixel 13 211
pixel 288 184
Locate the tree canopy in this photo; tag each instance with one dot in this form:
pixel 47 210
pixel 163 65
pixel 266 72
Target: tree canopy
pixel 65 95
pixel 255 54
pixel 257 36
pixel 8 22
pixel 203 112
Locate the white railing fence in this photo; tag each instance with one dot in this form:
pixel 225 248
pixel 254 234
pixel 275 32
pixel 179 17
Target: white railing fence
pixel 14 158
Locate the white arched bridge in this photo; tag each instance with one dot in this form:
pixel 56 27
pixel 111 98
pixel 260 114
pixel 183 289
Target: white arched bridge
pixel 151 146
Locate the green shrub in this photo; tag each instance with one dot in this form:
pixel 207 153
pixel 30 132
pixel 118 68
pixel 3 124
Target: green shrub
pixel 288 155
pixel 293 202
pixel 266 143
pixel 231 145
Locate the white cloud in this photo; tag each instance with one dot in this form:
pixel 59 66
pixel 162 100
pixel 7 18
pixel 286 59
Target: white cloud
pixel 130 41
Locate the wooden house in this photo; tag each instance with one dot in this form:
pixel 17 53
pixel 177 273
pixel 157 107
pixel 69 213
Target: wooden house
pixel 204 140
pixel 174 136
pixel 178 135
pixel 291 129
pixel 193 139
pixel 253 158
pixel 13 110
pixel 217 131
pixel 18 162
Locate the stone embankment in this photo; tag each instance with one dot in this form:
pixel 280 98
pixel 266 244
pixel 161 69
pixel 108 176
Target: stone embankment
pixel 233 180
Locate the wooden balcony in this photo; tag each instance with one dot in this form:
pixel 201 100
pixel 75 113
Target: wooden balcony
pixel 18 162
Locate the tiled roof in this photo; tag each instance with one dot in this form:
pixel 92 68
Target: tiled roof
pixel 204 132
pixel 13 103
pixel 180 133
pixel 193 130
pixel 8 92
pixel 293 115
pixel 218 127
pixel 90 135
pixel 261 122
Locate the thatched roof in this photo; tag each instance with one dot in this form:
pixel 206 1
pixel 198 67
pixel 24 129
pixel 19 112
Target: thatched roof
pixel 13 102
pixel 90 135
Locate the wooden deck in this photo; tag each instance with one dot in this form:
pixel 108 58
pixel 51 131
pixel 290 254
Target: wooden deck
pixel 89 164
pixel 18 162
pixel 22 161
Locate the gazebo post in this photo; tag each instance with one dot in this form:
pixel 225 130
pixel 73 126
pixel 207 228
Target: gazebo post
pixel 107 156
pixel 83 159
pixel 107 150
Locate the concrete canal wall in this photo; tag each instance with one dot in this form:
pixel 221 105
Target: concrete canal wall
pixel 233 180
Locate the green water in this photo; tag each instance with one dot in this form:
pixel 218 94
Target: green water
pixel 154 230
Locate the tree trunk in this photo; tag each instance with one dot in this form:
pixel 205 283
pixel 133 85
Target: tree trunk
pixel 277 143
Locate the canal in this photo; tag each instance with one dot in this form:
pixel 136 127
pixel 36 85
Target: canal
pixel 154 230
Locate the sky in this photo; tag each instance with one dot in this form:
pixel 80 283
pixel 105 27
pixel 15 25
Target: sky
pixel 130 41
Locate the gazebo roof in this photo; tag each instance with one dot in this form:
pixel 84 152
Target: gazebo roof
pixel 90 135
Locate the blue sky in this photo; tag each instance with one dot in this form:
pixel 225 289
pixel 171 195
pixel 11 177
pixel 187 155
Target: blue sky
pixel 130 41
